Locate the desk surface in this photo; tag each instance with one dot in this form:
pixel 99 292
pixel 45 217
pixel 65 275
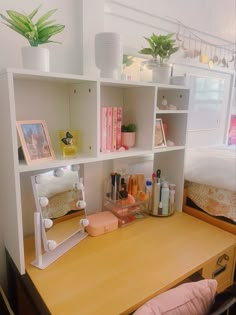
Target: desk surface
pixel 117 272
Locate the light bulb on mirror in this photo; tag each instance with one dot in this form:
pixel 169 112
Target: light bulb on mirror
pixel 75 168
pixel 58 172
pixel 38 179
pixel 48 223
pixel 84 222
pixel 51 244
pixel 43 201
pixel 81 204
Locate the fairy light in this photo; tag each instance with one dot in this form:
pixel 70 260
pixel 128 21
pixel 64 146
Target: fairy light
pixel 227 52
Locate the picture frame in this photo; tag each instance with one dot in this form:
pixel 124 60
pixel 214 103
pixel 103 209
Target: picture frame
pixel 159 140
pixel 35 141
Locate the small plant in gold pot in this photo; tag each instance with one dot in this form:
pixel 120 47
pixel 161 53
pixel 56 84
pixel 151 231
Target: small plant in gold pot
pixel 128 133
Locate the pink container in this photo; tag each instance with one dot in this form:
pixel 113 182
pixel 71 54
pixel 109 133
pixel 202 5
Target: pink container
pixel 128 139
pixel 101 223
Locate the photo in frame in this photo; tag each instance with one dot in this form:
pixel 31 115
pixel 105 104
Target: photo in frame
pixel 160 140
pixel 35 141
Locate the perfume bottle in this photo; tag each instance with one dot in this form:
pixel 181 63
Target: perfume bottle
pixel 69 148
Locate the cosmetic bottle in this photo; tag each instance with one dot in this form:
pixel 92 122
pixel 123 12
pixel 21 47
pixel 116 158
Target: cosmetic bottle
pixel 165 198
pixel 160 208
pixel 149 192
pixel 156 196
pixel 172 198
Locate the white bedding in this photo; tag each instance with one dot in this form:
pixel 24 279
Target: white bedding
pixel 213 166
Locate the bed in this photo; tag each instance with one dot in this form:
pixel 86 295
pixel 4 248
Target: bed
pixel 210 185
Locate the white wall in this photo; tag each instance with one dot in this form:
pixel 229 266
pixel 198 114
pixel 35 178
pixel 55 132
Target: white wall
pixel 216 17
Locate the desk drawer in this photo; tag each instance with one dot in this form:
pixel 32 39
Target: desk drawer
pixel 221 268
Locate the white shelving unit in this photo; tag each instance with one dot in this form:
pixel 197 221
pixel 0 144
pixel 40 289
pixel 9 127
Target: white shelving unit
pixel 73 101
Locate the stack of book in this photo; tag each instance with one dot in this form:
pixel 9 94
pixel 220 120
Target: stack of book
pixel 110 128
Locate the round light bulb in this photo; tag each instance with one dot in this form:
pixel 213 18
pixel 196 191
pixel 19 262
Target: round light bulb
pixel 43 201
pixel 81 204
pixel 38 179
pixel 84 222
pixel 58 172
pixel 51 244
pixel 75 167
pixel 48 223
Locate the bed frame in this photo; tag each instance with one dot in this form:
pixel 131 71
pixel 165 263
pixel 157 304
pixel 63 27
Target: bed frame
pixel 206 217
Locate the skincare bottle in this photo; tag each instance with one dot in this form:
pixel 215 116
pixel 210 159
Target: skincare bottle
pixel 149 193
pixel 160 208
pixel 165 198
pixel 156 197
pixel 172 198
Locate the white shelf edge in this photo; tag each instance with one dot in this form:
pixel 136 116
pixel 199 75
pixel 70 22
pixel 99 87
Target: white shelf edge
pixel 59 162
pixel 169 148
pixel 123 154
pixel 32 74
pixel 172 86
pixel 177 111
pixel 27 73
pixel 23 167
pixel 125 83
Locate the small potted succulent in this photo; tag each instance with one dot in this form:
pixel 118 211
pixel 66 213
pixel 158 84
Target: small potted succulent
pixel 161 47
pixel 128 133
pixel 37 33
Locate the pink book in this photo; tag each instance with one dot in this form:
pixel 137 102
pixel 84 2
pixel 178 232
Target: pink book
pixel 109 130
pixel 103 113
pixel 114 127
pixel 118 128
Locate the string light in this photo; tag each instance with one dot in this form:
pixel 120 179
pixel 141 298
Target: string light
pixel 187 41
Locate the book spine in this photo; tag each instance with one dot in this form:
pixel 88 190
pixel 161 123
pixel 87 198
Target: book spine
pixel 109 130
pixel 114 128
pixel 118 128
pixel 103 118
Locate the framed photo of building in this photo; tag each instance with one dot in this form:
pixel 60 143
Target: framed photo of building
pixel 35 141
pixel 160 140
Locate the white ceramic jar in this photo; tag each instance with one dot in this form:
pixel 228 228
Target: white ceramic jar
pixel 108 54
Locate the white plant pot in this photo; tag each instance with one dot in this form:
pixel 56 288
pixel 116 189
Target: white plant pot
pixel 35 58
pixel 108 54
pixel 160 72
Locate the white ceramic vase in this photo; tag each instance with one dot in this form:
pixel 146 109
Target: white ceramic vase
pixel 108 54
pixel 35 58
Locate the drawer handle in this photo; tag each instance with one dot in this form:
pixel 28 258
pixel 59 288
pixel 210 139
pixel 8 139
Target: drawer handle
pixel 222 267
pixel 221 258
pixel 218 271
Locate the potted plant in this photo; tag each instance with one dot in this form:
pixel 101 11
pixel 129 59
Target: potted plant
pixel 37 33
pixel 128 133
pixel 161 48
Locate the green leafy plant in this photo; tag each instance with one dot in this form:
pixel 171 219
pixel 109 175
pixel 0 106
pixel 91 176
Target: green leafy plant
pixel 160 45
pixel 37 33
pixel 129 128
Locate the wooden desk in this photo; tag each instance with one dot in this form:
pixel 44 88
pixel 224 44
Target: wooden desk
pixel 117 272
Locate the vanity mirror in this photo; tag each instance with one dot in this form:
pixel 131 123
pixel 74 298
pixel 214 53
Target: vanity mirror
pixel 60 217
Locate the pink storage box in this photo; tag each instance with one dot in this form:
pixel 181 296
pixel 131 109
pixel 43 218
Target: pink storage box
pixel 101 223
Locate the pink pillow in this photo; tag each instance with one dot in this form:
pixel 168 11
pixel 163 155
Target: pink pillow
pixel 193 298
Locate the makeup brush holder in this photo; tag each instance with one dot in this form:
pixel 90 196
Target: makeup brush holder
pixel 127 207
